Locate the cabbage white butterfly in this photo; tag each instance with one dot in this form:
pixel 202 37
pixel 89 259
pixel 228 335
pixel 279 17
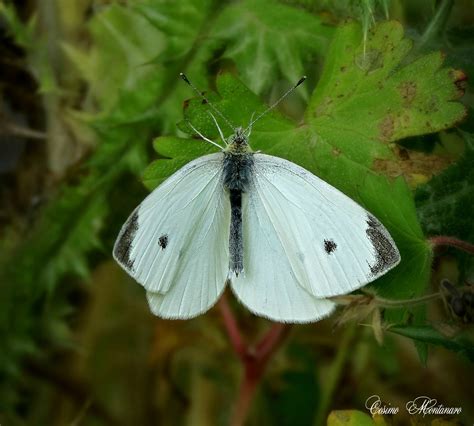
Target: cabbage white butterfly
pixel 282 238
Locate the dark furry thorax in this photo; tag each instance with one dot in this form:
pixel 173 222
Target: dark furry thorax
pixel 238 162
pixel 237 175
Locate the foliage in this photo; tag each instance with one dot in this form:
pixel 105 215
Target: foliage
pixel 445 203
pixel 458 340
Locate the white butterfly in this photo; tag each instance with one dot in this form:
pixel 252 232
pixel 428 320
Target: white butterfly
pixel 282 238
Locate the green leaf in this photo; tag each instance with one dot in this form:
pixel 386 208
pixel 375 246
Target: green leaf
pixel 462 342
pixel 445 204
pixel 270 40
pixel 350 418
pixel 179 151
pixel 376 96
pixel 179 24
pixel 23 34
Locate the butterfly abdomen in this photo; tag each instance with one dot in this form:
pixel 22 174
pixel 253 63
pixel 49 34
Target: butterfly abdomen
pixel 237 174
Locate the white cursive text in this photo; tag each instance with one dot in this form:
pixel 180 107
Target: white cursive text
pixel 376 406
pixel 426 405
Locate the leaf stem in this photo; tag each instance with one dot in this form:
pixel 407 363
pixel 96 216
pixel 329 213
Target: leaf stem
pixel 452 242
pixel 387 303
pixel 382 302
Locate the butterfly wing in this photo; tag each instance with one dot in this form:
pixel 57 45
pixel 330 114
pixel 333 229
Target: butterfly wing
pixel 175 243
pixel 268 286
pixel 331 244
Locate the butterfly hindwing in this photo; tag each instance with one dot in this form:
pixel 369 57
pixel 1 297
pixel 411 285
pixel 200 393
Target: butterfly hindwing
pixel 268 285
pixel 175 243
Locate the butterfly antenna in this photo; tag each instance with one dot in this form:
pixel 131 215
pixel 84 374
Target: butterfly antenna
pixel 183 76
pixel 300 81
pixel 202 136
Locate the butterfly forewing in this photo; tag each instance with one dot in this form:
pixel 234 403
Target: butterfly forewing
pixel 175 243
pixel 331 244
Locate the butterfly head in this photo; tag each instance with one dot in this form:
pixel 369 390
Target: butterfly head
pixel 238 143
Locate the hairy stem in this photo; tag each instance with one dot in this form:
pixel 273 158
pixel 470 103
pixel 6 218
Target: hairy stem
pixel 382 302
pixel 387 303
pixel 452 242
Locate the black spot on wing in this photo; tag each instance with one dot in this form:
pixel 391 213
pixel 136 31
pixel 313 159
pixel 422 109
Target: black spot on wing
pixel 329 246
pixel 386 253
pixel 123 246
pixel 163 241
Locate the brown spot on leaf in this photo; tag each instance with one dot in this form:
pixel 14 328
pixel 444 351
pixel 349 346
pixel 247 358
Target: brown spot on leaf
pixel 416 167
pixel 460 80
pixel 403 154
pixel 408 91
pixel 386 128
pixel 336 152
pixel 432 104
pixel 405 119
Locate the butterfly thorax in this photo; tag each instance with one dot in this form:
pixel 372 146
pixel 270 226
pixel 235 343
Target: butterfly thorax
pixel 238 162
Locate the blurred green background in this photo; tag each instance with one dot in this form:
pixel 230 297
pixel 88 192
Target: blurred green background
pixel 86 86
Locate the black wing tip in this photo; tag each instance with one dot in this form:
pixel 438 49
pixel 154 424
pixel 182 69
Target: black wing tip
pixel 387 255
pixel 122 248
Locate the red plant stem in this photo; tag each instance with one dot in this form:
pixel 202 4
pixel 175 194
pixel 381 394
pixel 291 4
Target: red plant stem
pixel 254 358
pixel 246 392
pixel 255 362
pixel 452 242
pixel 271 341
pixel 232 328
